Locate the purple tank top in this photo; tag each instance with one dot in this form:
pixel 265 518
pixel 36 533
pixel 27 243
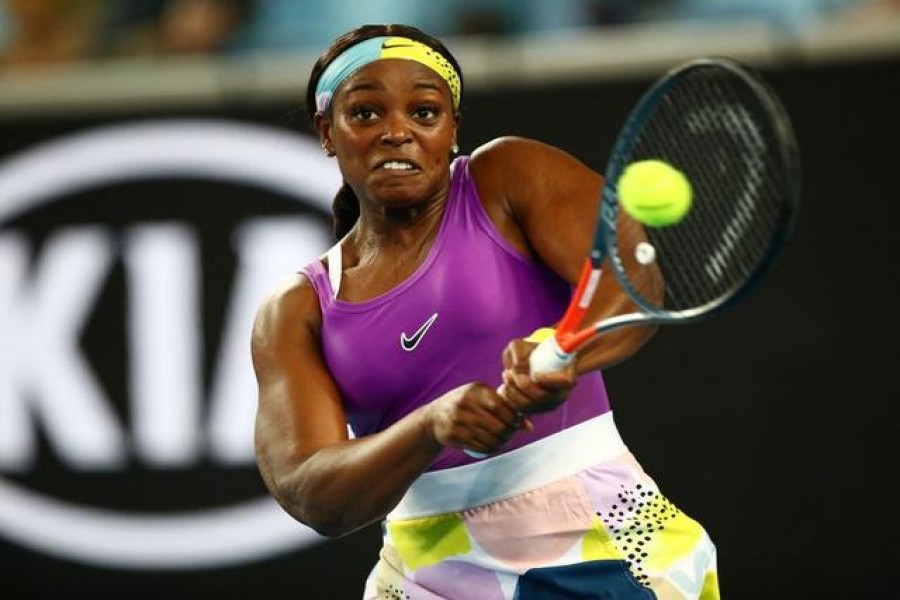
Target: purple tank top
pixel 446 325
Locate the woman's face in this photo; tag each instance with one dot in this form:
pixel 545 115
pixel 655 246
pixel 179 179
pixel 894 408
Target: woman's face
pixel 392 127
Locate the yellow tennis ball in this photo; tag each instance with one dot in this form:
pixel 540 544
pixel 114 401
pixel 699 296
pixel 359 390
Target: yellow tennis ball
pixel 655 193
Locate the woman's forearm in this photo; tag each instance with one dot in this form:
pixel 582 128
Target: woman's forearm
pixel 613 347
pixel 345 486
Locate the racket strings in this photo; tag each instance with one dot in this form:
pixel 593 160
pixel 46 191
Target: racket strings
pixel 713 127
pixel 714 242
pixel 739 240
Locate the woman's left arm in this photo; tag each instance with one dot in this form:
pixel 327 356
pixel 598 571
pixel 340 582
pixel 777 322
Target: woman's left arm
pixel 545 201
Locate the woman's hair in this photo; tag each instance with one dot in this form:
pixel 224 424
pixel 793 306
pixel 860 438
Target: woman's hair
pixel 345 206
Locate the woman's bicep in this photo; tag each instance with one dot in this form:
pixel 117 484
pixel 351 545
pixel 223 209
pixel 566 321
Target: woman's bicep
pixel 299 408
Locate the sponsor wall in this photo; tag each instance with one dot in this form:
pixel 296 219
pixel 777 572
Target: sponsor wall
pixel 135 248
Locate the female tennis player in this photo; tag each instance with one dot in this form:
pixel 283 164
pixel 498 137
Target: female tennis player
pixel 415 329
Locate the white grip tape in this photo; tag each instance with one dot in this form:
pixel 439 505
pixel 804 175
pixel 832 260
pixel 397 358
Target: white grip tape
pixel 549 357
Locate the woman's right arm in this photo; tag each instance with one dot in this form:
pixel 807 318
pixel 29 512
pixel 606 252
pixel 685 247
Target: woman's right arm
pixel 319 475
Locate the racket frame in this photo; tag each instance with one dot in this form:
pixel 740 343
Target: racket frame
pixel 562 347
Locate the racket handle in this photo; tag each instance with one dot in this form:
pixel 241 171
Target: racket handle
pixel 548 357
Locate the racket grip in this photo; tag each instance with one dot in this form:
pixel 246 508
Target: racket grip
pixel 548 357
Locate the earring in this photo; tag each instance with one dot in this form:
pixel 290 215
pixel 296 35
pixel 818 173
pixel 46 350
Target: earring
pixel 455 149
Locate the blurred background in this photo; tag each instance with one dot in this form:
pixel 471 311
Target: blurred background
pixel 158 176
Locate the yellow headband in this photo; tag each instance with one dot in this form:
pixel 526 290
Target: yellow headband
pixel 378 48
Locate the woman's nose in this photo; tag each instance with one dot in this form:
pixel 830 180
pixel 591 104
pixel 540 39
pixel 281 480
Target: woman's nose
pixel 396 130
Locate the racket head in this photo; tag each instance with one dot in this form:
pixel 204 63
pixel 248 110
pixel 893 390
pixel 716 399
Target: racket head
pixel 719 123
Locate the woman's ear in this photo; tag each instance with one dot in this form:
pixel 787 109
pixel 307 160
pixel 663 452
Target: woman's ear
pixel 323 129
pixel 457 118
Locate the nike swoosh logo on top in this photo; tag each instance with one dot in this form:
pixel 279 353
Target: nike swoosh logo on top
pixel 409 342
pixel 386 46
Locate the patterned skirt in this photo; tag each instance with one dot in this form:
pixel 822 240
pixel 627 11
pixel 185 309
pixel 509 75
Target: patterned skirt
pixel 570 516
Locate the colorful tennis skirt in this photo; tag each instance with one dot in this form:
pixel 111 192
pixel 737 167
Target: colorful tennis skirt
pixel 570 516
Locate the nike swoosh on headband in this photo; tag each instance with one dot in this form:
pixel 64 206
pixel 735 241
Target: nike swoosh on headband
pixel 359 55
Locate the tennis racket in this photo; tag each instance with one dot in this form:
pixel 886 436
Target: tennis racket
pixel 721 125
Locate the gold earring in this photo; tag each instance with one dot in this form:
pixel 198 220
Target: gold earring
pixel 455 149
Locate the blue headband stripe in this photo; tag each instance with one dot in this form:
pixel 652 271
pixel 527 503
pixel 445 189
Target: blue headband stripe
pixel 345 65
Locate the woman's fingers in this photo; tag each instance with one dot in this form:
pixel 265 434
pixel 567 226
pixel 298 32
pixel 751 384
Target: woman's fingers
pixel 474 417
pixel 539 393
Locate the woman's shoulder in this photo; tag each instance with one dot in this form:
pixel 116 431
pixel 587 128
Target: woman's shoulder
pixel 513 175
pixel 293 302
pixel 518 161
pixel 518 171
pixel 503 164
pixel 509 151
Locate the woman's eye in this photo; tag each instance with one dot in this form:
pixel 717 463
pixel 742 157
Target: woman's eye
pixel 425 112
pixel 364 113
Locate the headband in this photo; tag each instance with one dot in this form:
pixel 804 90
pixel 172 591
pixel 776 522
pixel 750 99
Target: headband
pixel 359 55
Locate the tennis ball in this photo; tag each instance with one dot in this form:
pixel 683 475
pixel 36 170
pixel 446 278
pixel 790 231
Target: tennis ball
pixel 655 193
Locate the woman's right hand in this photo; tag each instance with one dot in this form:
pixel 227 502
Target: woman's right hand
pixel 533 392
pixel 473 417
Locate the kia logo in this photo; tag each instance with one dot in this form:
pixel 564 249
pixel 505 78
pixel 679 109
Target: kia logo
pixel 122 374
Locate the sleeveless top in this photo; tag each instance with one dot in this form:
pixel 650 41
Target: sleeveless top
pixel 446 325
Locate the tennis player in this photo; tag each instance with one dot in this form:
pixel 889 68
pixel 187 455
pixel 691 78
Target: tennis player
pixel 415 328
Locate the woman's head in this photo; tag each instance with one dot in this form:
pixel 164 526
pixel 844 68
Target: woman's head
pixel 391 123
pixel 368 32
